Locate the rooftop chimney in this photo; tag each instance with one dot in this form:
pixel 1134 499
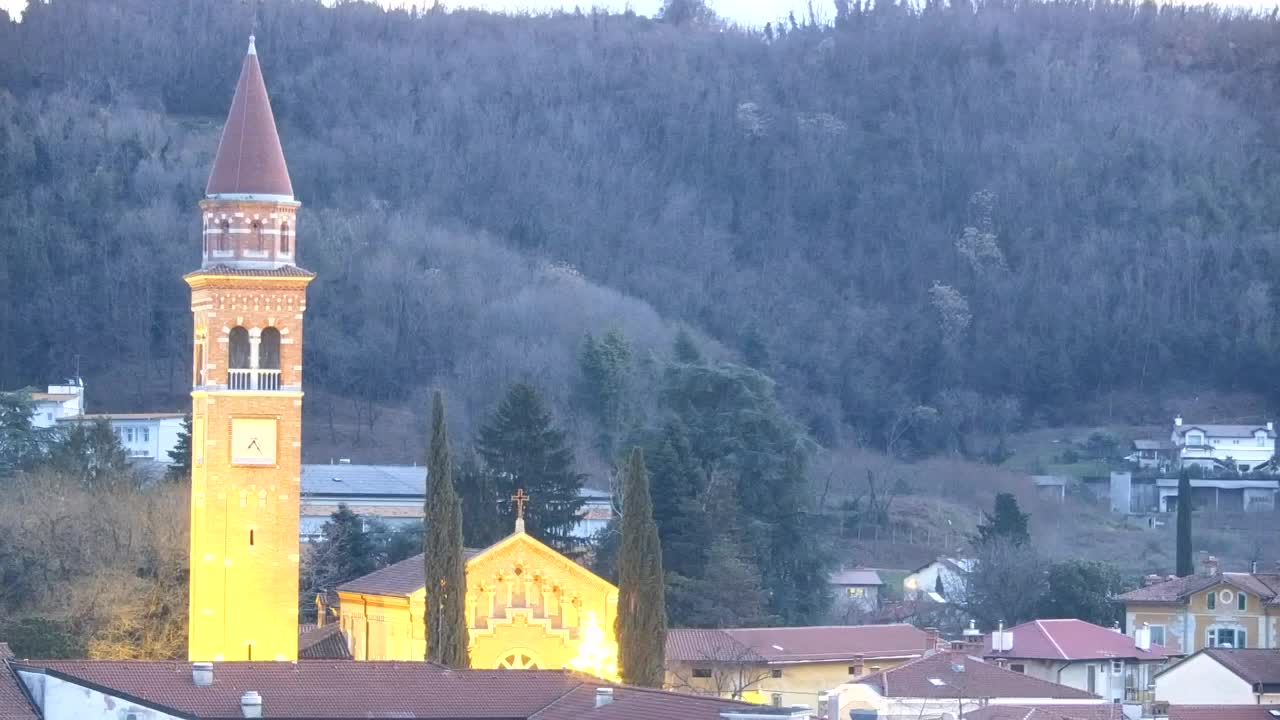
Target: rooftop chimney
pixel 1142 638
pixel 1271 426
pixel 344 461
pixel 1149 580
pixel 933 640
pixel 1177 421
pixel 251 704
pixel 202 674
pixel 604 696
pixel 1209 566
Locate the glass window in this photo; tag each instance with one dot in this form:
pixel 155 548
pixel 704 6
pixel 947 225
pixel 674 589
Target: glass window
pixel 776 672
pixel 224 237
pixel 1212 600
pixel 777 699
pixel 128 435
pixel 1241 602
pixel 1117 667
pixel 1226 637
pixel 702 672
pixel 1018 668
pixel 857 592
pixel 855 670
pixel 284 238
pixel 1157 634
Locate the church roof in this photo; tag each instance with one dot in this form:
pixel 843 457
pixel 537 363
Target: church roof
pixel 250 161
pixel 345 689
pixel 403 578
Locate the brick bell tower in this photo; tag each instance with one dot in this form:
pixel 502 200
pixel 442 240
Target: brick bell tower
pixel 247 300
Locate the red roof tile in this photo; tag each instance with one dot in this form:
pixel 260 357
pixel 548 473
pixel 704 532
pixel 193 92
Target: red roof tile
pixel 330 690
pixel 13 701
pixel 1103 711
pixel 282 271
pixel 250 160
pixel 797 644
pixel 1265 586
pixel 323 643
pixel 952 674
pixel 1224 712
pixel 1254 666
pixel 1072 639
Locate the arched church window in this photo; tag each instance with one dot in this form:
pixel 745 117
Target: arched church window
pixel 260 242
pixel 224 237
pixel 269 349
pixel 239 348
pixel 284 238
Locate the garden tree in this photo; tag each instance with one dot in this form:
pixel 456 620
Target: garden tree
pixel 747 447
pixel 482 522
pixel 1006 522
pixel 677 500
pixel 685 350
pixel 603 385
pixel 728 594
pixel 345 551
pixel 1085 590
pixel 446 580
pixel 180 455
pixel 91 452
pixel 938 587
pixel 523 449
pixel 20 443
pixel 641 624
pixel 1006 583
pixel 1185 566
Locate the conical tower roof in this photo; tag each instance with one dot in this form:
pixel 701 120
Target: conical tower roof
pixel 250 162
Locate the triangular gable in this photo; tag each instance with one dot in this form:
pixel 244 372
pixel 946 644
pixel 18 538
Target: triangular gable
pixel 536 548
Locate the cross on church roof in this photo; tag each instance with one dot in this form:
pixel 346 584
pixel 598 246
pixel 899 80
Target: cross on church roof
pixel 520 498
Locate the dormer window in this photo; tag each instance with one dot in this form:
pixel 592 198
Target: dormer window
pixel 1261 437
pixel 1195 437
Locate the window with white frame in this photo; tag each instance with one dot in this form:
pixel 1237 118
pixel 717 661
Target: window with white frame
pixel 145 434
pixel 1242 601
pixel 1211 601
pixel 1117 667
pixel 1157 634
pixel 128 435
pixel 1226 637
pixel 1195 438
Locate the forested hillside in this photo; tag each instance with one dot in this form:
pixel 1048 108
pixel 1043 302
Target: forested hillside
pixel 919 222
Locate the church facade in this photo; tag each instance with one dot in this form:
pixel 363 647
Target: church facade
pixel 528 607
pixel 247 304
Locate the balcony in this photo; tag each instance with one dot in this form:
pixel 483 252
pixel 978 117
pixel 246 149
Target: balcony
pixel 253 379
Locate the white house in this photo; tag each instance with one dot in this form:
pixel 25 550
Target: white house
pixel 144 436
pixel 1235 447
pixel 60 402
pixel 1222 676
pixel 923 581
pixel 1088 657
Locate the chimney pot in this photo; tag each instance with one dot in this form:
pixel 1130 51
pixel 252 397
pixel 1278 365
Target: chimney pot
pixel 202 674
pixel 1177 421
pixel 604 696
pixel 251 704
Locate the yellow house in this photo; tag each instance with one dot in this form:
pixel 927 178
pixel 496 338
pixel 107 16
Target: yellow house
pixel 786 666
pixel 528 607
pixel 1209 609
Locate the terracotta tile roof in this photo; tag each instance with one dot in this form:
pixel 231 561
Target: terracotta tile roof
pixel 400 579
pixel 1072 640
pixel 796 644
pixel 250 160
pixel 637 704
pixel 1263 585
pixel 1224 712
pixel 283 271
pixel 939 676
pixel 855 576
pixel 1230 431
pixel 1254 666
pixel 342 690
pixel 1102 711
pixel 323 643
pixel 122 416
pixel 13 701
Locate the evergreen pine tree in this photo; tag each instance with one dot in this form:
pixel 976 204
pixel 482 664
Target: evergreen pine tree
pixel 938 587
pixel 1183 549
pixel 522 448
pixel 180 455
pixel 677 486
pixel 641 623
pixel 446 580
pixel 482 523
pixel 1007 522
pixel 92 453
pixel 685 349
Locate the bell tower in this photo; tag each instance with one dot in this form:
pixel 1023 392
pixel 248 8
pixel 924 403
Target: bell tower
pixel 247 302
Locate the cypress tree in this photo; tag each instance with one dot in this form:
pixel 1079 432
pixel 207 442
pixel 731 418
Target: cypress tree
pixel 446 578
pixel 1008 522
pixel 1185 566
pixel 641 624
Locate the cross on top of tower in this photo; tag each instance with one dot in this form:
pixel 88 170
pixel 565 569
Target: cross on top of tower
pixel 520 498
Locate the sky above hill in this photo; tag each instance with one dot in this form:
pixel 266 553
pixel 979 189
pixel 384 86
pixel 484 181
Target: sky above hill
pixel 745 12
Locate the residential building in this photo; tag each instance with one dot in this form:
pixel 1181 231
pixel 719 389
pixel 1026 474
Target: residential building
pixel 527 607
pixel 61 401
pixel 855 591
pixel 394 494
pixel 338 690
pixel 1222 676
pixel 1088 657
pixel 924 580
pixel 1245 448
pixel 949 683
pixel 1208 609
pixel 1222 712
pixel 1153 454
pixel 144 436
pixel 786 665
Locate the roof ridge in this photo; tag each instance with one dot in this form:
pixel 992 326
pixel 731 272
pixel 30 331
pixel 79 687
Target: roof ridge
pixel 1049 635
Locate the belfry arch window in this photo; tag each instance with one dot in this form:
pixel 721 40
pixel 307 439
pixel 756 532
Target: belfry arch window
pixel 260 242
pixel 269 349
pixel 239 349
pixel 224 237
pixel 284 238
